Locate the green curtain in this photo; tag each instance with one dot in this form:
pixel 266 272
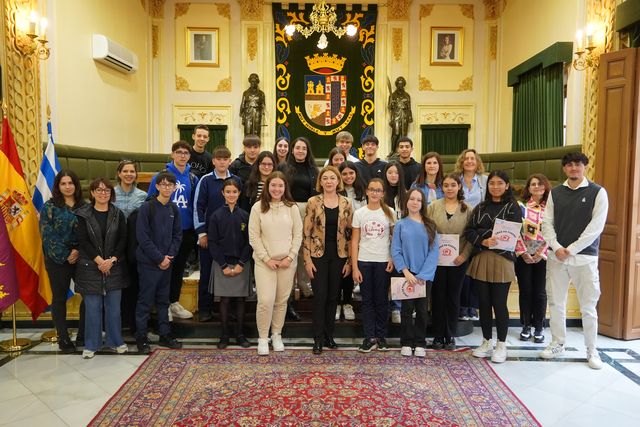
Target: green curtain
pixel 444 139
pixel 217 135
pixel 538 103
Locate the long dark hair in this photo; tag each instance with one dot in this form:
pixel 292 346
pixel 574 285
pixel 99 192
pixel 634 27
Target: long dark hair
pixel 457 177
pixel 429 224
pixel 526 194
pixel 358 186
pixel 56 194
pixel 422 176
pixel 275 149
pixel 310 161
pixel 251 188
pixel 265 199
pixel 508 194
pixel 391 191
pixel 385 208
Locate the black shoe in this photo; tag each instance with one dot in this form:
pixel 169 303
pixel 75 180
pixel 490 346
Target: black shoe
pixel 317 347
pixel 450 344
pixel 242 341
pixel 538 337
pixel 368 345
pixel 143 345
pixel 205 316
pixel 330 343
pixel 66 346
pixel 438 343
pixel 170 342
pixel 292 314
pixel 79 342
pixel 382 344
pixel 525 335
pixel 224 342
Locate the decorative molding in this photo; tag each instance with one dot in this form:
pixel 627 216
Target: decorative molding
pixel 467 10
pixel 493 42
pixel 493 9
pixel 224 85
pixel 441 114
pixel 182 84
pixel 224 9
pixel 396 42
pixel 22 95
pixel 156 8
pixel 155 40
pixel 425 10
pixel 181 9
pixel 252 42
pixel 597 11
pixel 251 10
pixel 398 10
pixel 424 84
pixel 187 115
pixel 466 85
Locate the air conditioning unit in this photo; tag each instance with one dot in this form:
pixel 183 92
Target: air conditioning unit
pixel 114 55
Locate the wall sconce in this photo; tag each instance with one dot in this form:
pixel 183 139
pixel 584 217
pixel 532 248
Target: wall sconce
pixel 31 35
pixel 586 45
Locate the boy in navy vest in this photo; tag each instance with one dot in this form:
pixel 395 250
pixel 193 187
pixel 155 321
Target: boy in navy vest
pixel 159 233
pixel 574 218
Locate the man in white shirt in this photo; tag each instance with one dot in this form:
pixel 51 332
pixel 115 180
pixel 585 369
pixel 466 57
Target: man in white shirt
pixel 574 218
pixel 344 141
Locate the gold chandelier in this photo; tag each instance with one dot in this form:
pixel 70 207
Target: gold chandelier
pixel 323 20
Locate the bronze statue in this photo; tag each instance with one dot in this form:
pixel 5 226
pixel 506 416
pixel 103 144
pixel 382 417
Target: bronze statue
pixel 399 113
pixel 252 107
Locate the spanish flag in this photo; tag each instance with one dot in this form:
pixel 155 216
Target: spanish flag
pixel 21 221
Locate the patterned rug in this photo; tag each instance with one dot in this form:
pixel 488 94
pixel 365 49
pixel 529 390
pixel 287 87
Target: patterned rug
pixel 338 388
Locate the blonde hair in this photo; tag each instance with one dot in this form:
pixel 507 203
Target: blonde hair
pixel 326 169
pixel 460 161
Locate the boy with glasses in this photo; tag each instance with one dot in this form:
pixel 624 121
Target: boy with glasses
pixel 159 233
pixel 183 197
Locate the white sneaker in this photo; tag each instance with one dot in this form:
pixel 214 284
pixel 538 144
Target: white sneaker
pixel 263 346
pixel 553 350
pixel 406 351
pixel 338 311
pixel 348 312
pixel 500 353
pixel 395 317
pixel 420 352
pixel 179 311
pixel 593 359
pixel 121 349
pixel 485 349
pixel 88 354
pixel 276 342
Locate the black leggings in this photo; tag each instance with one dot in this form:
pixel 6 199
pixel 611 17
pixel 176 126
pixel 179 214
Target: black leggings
pixel 533 295
pixel 225 303
pixel 493 296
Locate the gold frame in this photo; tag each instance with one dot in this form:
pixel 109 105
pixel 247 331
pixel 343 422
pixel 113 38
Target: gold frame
pixel 211 47
pixel 437 41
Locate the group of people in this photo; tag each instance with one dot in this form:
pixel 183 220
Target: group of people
pixel 274 218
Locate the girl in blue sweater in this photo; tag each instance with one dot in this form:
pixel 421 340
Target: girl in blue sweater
pixel 414 250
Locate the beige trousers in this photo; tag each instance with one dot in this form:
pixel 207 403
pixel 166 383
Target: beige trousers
pixel 273 288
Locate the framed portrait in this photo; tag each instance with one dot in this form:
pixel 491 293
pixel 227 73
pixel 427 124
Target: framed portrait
pixel 446 45
pixel 202 47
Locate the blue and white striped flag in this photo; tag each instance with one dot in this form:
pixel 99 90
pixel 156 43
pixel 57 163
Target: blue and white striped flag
pixel 49 168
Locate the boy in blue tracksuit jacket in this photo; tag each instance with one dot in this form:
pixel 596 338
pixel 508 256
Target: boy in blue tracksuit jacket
pixel 183 197
pixel 208 199
pixel 159 233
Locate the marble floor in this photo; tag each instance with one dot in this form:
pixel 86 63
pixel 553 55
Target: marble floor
pixel 43 388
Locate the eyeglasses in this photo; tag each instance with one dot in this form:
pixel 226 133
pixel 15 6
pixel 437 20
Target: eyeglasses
pixel 166 184
pixel 182 153
pixel 101 190
pixel 375 190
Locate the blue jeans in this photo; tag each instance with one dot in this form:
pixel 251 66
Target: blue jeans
pixel 94 305
pixel 375 298
pixel 154 290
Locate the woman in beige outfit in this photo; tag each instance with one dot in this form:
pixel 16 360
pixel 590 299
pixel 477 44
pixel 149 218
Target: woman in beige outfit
pixel 275 233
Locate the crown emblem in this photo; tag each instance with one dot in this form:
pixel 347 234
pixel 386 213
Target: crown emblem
pixel 325 64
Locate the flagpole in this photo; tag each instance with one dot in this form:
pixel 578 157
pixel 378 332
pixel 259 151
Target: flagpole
pixel 15 344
